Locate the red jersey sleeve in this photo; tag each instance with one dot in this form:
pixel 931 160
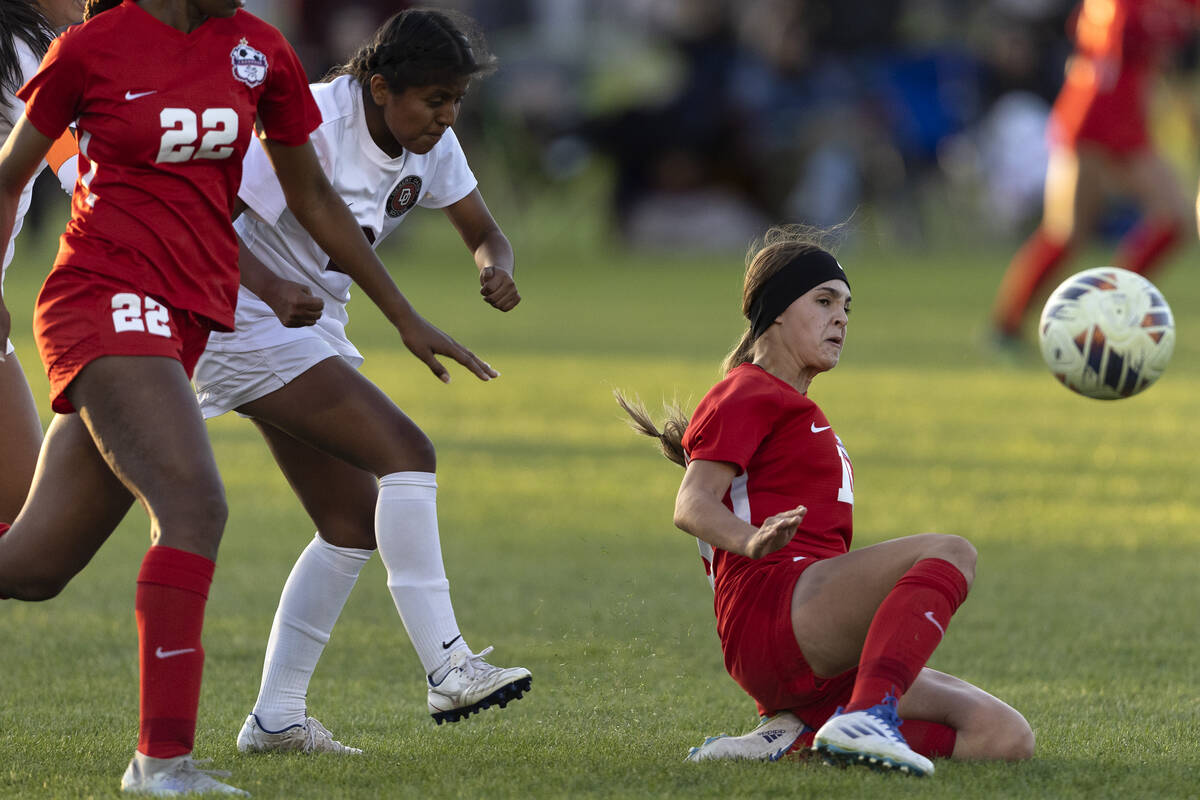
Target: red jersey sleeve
pixel 731 422
pixel 286 108
pixel 52 95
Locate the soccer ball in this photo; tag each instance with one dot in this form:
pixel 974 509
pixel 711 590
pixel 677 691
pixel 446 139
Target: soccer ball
pixel 1107 333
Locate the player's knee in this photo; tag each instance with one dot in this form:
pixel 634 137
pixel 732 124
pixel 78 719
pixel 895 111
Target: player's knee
pixel 192 521
pixel 957 550
pixel 35 587
pixel 349 530
pixel 1013 738
pixel 413 452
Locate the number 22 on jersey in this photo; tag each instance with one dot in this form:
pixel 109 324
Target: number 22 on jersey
pixel 215 128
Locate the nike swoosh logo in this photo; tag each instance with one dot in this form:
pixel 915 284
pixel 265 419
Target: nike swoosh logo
pixel 446 645
pixel 936 624
pixel 136 95
pixel 815 429
pixel 160 653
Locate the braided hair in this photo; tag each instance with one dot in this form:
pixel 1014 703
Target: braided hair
pixel 421 47
pixel 20 19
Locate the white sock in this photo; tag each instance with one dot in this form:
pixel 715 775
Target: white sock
pixel 406 530
pixel 313 597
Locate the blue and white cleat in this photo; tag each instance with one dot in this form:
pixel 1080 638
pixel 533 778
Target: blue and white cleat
pixel 870 738
pixel 770 741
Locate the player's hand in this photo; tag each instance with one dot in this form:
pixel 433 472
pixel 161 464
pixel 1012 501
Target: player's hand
pixel 775 532
pixel 294 304
pixel 498 288
pixel 427 342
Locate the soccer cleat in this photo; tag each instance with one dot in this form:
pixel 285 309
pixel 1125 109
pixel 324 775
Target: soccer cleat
pixel 309 737
pixel 472 684
pixel 168 777
pixel 770 741
pixel 870 738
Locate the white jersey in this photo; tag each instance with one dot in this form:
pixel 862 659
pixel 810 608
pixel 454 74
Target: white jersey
pixel 379 190
pixel 10 112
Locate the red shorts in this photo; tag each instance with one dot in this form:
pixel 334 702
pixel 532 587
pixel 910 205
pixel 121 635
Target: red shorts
pixel 83 315
pixel 760 647
pixel 1111 117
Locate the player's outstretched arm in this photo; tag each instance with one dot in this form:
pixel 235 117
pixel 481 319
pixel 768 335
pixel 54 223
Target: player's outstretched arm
pixel 324 215
pixel 699 510
pixel 490 248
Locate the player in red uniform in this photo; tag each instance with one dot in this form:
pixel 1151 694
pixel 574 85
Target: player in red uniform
pixel 838 638
pixel 146 268
pixel 1099 145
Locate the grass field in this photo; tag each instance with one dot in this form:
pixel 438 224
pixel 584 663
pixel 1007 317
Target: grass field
pixel 556 529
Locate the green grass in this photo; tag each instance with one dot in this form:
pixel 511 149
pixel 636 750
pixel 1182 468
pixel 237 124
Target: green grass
pixel 558 542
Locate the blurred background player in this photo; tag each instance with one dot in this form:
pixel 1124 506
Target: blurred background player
pixel 1100 146
pixel 146 268
pixel 838 638
pixel 26 29
pixel 362 469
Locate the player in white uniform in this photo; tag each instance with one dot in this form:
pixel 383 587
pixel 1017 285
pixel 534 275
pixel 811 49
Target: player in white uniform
pixel 362 469
pixel 28 28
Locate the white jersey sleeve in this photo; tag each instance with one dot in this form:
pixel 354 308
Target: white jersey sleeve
pixel 453 179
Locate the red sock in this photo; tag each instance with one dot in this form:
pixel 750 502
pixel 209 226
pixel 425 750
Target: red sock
pixel 1143 248
pixel 906 629
pixel 930 739
pixel 171 593
pixel 1027 272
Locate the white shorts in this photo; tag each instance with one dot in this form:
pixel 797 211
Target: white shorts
pixel 225 381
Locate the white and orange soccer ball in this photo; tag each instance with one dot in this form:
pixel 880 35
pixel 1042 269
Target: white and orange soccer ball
pixel 1107 333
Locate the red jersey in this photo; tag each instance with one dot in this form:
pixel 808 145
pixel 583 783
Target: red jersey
pixel 1119 45
pixel 163 119
pixel 787 455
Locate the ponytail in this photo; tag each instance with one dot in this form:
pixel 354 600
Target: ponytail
pixel 670 438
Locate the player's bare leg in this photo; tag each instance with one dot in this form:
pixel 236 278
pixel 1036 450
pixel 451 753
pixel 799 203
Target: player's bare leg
pixel 74 505
pixel 1165 212
pixel 986 727
pixel 142 414
pixel 883 609
pixel 20 437
pixel 835 600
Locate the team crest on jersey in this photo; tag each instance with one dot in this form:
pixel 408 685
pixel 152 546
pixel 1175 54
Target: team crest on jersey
pixel 404 196
pixel 249 65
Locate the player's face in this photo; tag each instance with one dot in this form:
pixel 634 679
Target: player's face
pixel 60 13
pixel 416 118
pixel 813 327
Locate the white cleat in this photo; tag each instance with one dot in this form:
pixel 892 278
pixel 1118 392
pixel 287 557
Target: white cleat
pixel 309 737
pixel 870 738
pixel 472 684
pixel 770 741
pixel 168 777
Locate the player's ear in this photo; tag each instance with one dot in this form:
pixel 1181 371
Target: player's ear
pixel 379 89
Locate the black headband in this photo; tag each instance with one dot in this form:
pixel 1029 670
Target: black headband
pixel 808 269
